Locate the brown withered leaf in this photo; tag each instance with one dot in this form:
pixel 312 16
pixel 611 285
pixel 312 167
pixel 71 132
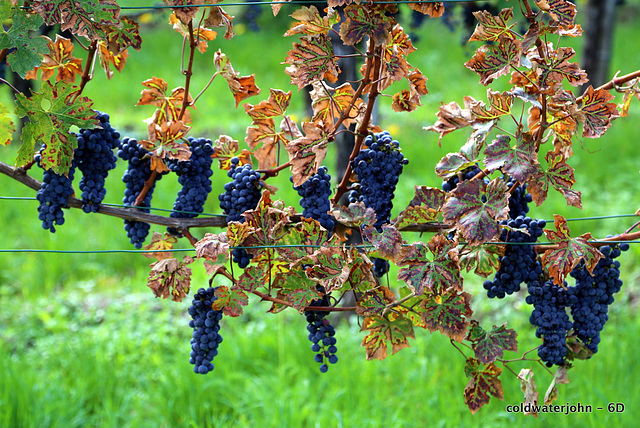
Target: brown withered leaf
pixel 312 60
pixel 311 22
pixel 402 101
pixel 274 106
pixel 201 34
pixel 84 19
pixel 185 14
pixel 125 34
pixel 60 58
pixel 450 118
pixel 433 9
pixel 307 153
pixel 161 245
pixel 107 59
pixel 596 112
pixel 169 106
pixel 170 278
pixel 556 67
pixel 364 21
pixel 492 28
pixel 493 61
pixel 241 87
pixel 219 18
pixel 329 104
pixel 227 148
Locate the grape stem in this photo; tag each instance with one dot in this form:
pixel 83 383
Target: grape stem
pixel 147 186
pixel 264 296
pixel 86 74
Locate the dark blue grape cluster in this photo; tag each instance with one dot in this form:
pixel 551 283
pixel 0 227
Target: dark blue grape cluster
pixel 137 173
pixel 193 175
pixel 315 194
pixel 95 158
pixel 321 334
pixel 54 192
pixel 519 263
pixel 380 266
pixel 467 174
pixel 550 318
pixel 206 327
pixel 378 168
pixel 241 194
pixel 519 199
pixel 593 293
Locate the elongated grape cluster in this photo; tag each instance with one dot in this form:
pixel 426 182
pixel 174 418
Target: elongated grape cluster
pixel 206 327
pixel 193 175
pixel 53 195
pixel 378 168
pixel 321 334
pixel 519 263
pixel 593 293
pixel 519 200
pixel 95 158
pixel 315 194
pixel 241 194
pixel 137 173
pixel 550 319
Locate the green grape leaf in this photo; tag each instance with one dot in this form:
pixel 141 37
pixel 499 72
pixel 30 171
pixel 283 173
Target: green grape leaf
pixel 530 391
pixel 307 153
pixel 577 350
pixel 302 297
pixel 388 243
pixel 51 113
pixel 364 21
pixel 489 346
pixel 569 251
pixel 230 300
pixel 483 383
pixel 170 278
pixel 311 22
pixel 559 175
pixel 374 301
pixel 483 259
pixel 478 220
pixel 424 208
pixel 302 240
pixel 82 17
pixel 7 128
pixel 312 60
pixel 361 276
pixel 436 275
pixel 492 28
pixel 330 267
pixel 493 61
pixel 447 313
pixel 29 51
pixel 517 161
pixel 395 329
pixel 596 112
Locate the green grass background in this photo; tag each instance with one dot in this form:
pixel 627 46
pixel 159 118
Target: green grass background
pixel 84 343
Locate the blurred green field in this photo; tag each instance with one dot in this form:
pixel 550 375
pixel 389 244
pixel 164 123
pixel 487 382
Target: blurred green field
pixel 84 343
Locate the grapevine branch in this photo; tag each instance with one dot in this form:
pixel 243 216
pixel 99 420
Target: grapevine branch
pixel 86 74
pixel 264 296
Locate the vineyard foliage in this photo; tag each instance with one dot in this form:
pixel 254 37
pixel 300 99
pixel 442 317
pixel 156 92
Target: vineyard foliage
pixel 517 151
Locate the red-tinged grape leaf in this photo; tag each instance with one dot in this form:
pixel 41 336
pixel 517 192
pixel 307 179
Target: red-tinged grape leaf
pixel 483 259
pixel 447 313
pixel 219 18
pixel 481 385
pixel 82 17
pixel 499 105
pixel 274 106
pixel 251 279
pixel 373 301
pixel 354 215
pixel 364 21
pixel 301 298
pixel 241 87
pixel 161 245
pixel 569 252
pixel 230 300
pixel 185 14
pixel 562 11
pixel 267 223
pixel 530 391
pixel 395 329
pixel 559 175
pixel 214 248
pixel 556 67
pixel 311 22
pixel 491 28
pixel 28 50
pixel 489 346
pixel 120 37
pixel 361 277
pixel 60 58
pixel 330 267
pixel 424 208
pixel 517 161
pixel 51 113
pixel 108 59
pixel 435 275
pixel 307 153
pixel 7 128
pixel 577 350
pixel 329 104
pixel 478 220
pixel 451 163
pixel 433 9
pixel 170 278
pixel 450 118
pixel 493 61
pixel 596 112
pixel 312 60
pixel 302 240
pixel 388 243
